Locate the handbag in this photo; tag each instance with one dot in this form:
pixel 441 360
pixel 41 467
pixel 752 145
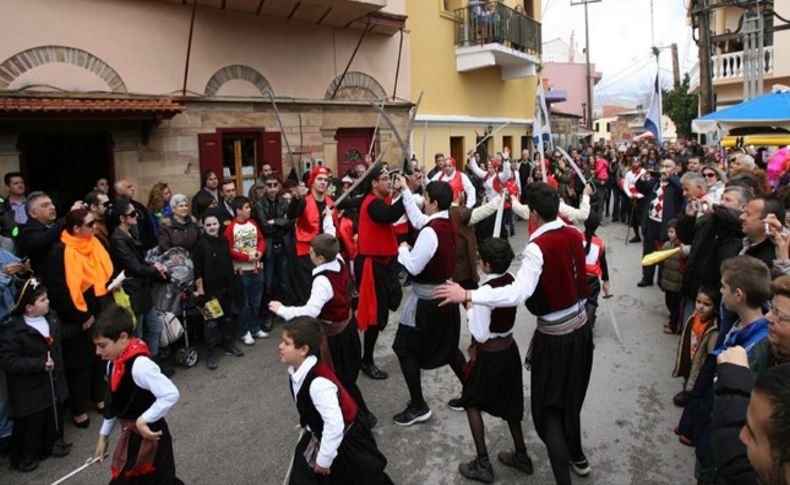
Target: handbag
pixel 172 329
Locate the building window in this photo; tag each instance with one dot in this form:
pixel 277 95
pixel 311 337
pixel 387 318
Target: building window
pixel 451 5
pixel 239 159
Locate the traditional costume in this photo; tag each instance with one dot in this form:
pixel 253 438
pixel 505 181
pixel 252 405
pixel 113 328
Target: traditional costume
pixel 376 271
pixel 553 281
pixel 428 334
pixel 597 270
pixel 493 373
pixel 330 303
pixel 336 437
pixel 458 181
pixel 139 389
pixel 310 222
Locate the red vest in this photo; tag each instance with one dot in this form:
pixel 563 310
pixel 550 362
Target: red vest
pixel 593 259
pixel 336 309
pixel 440 267
pixel 563 281
pixel 375 239
pixel 502 319
pixel 456 182
pixel 308 224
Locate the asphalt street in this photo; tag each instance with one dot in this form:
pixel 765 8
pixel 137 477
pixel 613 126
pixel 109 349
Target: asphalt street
pixel 237 425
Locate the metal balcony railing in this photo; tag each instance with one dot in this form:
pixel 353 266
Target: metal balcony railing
pixel 483 23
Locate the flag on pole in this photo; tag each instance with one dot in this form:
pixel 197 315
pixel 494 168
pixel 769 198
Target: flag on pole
pixel 653 119
pixel 541 125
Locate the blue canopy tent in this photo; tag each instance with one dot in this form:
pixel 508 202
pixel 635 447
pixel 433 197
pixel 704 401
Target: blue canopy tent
pixel 769 110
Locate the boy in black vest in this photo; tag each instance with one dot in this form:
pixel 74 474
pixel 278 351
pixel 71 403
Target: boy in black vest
pixel 330 303
pixel 493 374
pixel 140 397
pixel 428 335
pixel 336 445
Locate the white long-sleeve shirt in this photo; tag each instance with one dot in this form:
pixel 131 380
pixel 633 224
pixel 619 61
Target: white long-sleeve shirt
pixel 629 182
pixel 471 196
pixel 320 293
pixel 323 393
pixel 147 375
pixel 479 319
pixel 488 181
pixel 569 212
pixel 424 247
pixel 526 281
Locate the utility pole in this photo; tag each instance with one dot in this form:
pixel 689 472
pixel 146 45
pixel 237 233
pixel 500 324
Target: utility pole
pixel 675 67
pixel 589 112
pixel 701 12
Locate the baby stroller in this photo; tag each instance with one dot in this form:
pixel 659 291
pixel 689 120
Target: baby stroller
pixel 173 298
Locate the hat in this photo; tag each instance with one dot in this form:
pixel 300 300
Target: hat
pixel 451 161
pixel 347 179
pixel 32 288
pixel 319 170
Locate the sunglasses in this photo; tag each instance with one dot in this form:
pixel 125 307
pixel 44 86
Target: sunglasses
pixel 131 214
pixel 272 184
pixel 90 224
pixel 709 175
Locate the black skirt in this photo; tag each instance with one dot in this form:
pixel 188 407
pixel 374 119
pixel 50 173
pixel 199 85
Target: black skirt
pixel 560 373
pixel 358 460
pixel 164 464
pixel 434 341
pixel 495 385
pixel 346 353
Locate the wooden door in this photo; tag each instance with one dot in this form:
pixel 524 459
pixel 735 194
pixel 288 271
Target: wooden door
pixel 352 146
pixel 457 150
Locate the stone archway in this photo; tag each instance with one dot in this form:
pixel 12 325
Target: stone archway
pixel 236 71
pixel 19 63
pixel 357 86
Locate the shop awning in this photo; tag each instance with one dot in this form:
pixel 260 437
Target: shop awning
pixel 769 111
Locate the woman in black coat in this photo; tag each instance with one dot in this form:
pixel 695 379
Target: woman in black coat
pixel 128 255
pixel 30 355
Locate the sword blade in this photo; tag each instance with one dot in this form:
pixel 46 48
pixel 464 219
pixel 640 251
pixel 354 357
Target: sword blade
pixel 613 319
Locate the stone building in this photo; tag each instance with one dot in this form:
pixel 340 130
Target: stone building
pixel 154 90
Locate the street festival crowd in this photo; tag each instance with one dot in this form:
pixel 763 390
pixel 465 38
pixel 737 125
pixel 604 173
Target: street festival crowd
pixel 92 300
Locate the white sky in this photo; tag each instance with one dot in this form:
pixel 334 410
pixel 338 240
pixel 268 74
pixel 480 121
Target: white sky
pixel 620 41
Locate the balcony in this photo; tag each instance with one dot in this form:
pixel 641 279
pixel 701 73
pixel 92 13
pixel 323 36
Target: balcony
pixel 333 13
pixel 496 35
pixel 729 67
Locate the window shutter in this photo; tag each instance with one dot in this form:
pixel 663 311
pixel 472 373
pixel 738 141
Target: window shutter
pixel 273 152
pixel 210 153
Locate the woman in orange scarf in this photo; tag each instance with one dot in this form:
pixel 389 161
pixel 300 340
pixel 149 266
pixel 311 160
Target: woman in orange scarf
pixel 79 272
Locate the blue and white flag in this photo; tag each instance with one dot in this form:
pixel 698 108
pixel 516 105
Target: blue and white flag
pixel 653 119
pixel 541 124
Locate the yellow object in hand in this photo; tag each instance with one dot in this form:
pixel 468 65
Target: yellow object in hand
pixel 659 256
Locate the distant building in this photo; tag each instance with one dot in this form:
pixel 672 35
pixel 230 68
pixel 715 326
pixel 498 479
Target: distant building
pixel 564 69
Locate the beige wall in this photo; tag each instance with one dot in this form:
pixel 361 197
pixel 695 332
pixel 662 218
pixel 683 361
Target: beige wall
pixel 145 42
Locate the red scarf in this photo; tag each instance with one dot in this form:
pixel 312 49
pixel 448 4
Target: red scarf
pixel 134 348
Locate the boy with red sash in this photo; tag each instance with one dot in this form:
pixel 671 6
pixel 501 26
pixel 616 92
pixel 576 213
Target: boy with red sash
pixel 312 211
pixel 428 335
pixel 493 374
pixel 553 282
pixel 336 444
pixel 140 397
pixel 330 303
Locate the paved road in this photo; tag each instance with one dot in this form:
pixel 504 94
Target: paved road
pixel 236 425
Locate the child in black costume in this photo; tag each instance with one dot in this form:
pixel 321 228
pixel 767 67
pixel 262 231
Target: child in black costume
pixel 336 445
pixel 493 381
